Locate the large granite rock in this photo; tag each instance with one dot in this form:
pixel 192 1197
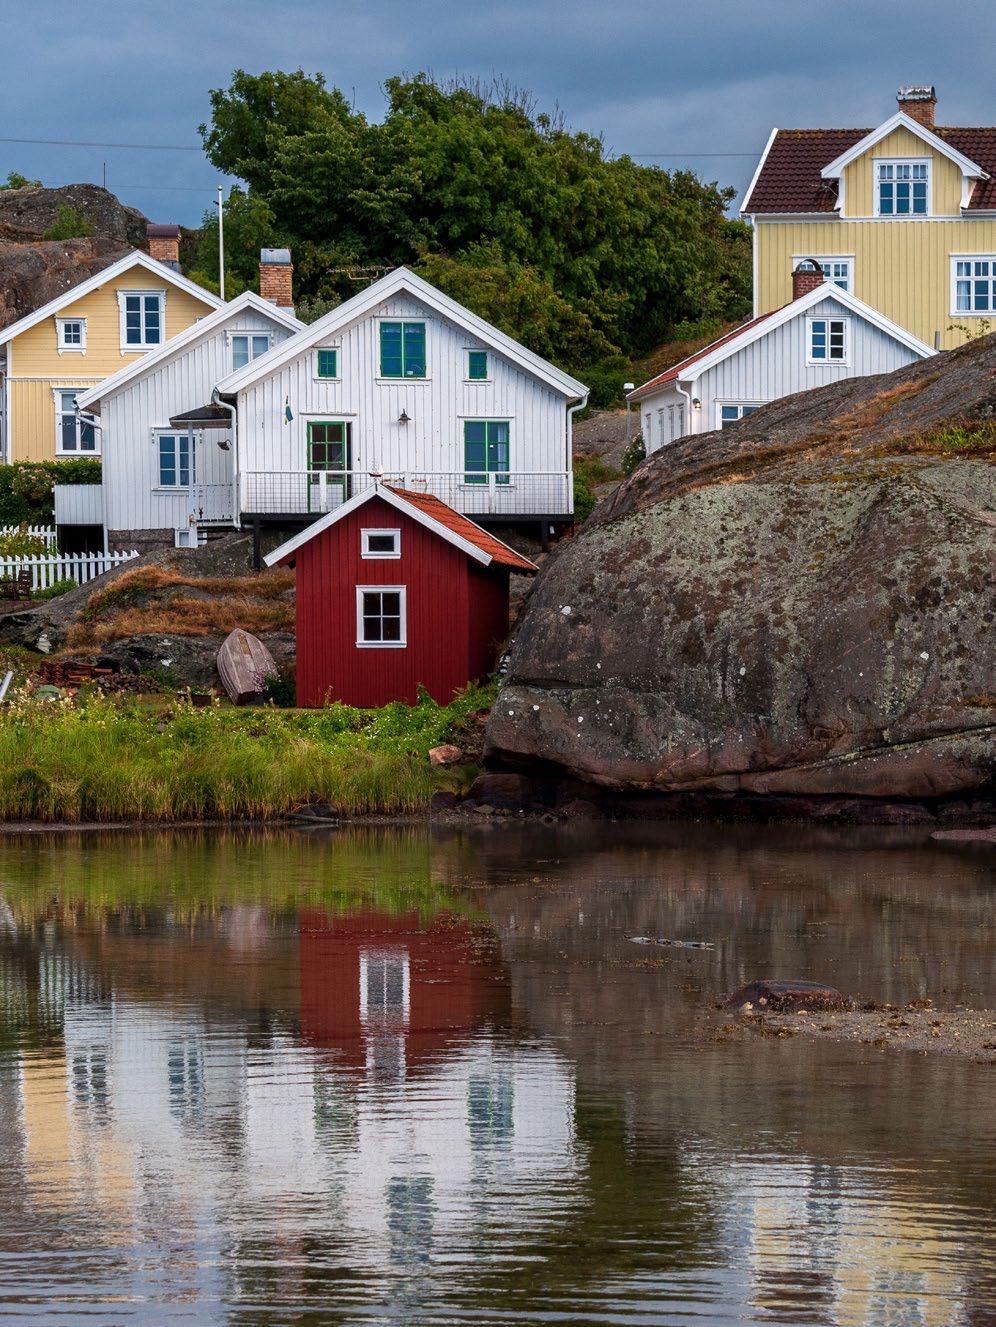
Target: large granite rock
pixel 801 605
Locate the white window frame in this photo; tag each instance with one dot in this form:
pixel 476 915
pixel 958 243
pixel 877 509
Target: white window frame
pixel 136 347
pixel 319 377
pixel 59 412
pixel 957 258
pixel 159 486
pixel 249 333
pixel 828 363
pixel 362 644
pixel 824 260
pixel 739 405
pixel 369 957
pixel 879 162
pixel 367 552
pixel 60 335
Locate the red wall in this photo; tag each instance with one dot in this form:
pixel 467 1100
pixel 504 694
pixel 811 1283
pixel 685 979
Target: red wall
pixel 454 612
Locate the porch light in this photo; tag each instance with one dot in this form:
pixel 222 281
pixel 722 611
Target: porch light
pixel 403 418
pixel 696 403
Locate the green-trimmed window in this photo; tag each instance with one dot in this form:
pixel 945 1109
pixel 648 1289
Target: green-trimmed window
pixel 486 451
pixel 328 363
pixel 477 365
pixel 402 350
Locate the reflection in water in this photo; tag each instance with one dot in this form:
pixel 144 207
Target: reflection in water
pixel 389 1075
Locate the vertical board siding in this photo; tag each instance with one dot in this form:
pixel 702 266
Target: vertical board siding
pixel 132 497
pixel 443 651
pixel 436 406
pixel 487 589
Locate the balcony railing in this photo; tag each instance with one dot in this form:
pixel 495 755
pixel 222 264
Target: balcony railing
pixel 306 492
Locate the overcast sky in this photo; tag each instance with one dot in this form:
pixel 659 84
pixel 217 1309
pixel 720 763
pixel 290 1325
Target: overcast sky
pixel 681 79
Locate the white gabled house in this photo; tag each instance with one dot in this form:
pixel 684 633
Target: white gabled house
pixel 402 382
pixel 168 467
pixel 824 334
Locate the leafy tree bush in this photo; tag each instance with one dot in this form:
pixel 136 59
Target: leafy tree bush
pixel 26 487
pixel 55 589
pixel 633 455
pixel 69 224
pixel 15 180
pixel 584 258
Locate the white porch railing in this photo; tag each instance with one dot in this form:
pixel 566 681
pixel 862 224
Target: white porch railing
pixel 512 494
pixel 212 502
pixel 79 567
pixel 46 532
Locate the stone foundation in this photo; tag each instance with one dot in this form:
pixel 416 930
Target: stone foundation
pixel 123 541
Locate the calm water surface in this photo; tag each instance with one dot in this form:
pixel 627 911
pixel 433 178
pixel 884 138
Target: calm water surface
pixel 401 1077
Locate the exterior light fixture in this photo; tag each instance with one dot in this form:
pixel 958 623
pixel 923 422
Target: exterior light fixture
pixel 403 418
pixel 696 403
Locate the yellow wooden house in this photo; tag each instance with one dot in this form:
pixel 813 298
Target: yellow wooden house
pixel 903 216
pixel 80 338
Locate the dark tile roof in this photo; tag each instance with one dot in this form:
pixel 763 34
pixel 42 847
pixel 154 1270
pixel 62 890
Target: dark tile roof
pixel 790 179
pixel 676 370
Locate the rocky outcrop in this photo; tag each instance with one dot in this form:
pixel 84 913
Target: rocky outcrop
pixel 801 606
pixel 34 270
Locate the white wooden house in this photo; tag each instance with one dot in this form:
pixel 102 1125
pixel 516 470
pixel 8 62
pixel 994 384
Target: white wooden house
pixel 824 334
pixel 405 383
pixel 168 466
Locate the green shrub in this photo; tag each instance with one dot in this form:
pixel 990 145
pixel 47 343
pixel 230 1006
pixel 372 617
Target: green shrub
pixel 69 224
pixel 55 589
pixel 26 487
pixel 22 545
pixel 633 455
pixel 15 180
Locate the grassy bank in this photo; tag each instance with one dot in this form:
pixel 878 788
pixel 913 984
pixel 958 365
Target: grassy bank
pixel 100 759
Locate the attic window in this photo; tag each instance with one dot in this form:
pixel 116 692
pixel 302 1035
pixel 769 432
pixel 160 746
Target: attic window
pixel 247 346
pixel 380 543
pixel 828 341
pixel 141 318
pixel 71 334
pixel 902 188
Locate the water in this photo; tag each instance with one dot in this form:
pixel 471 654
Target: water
pixel 399 1077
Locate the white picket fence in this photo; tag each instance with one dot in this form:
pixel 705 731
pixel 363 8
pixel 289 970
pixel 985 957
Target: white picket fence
pixel 79 567
pixel 46 532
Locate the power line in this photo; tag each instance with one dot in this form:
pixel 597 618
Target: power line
pixel 73 142
pixel 685 155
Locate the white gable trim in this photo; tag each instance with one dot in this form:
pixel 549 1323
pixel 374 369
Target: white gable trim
pixel 802 305
pixel 393 500
pixel 902 121
pixel 367 301
pixel 760 166
pixel 175 345
pixel 123 265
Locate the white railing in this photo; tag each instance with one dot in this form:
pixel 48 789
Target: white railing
pixel 79 567
pixel 46 532
pixel 212 502
pixel 511 494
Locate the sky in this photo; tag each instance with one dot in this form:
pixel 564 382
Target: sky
pixel 696 84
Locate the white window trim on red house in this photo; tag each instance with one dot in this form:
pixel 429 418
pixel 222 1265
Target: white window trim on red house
pixel 362 644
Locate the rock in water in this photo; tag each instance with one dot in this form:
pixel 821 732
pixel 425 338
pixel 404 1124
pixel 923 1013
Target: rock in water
pixel 801 605
pixel 785 997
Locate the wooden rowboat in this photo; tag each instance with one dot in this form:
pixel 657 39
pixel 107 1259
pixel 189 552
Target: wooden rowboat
pixel 244 664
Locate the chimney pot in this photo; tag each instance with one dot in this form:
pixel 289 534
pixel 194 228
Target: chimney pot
pixel 164 244
pixel 919 103
pixel 806 277
pixel 276 277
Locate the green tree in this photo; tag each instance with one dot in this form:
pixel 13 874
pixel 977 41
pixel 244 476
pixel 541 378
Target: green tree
pixel 15 180
pixel 69 224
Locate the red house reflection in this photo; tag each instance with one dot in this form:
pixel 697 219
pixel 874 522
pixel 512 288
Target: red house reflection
pixel 389 993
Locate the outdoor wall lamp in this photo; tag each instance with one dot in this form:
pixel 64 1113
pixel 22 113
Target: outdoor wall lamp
pixel 403 418
pixel 696 403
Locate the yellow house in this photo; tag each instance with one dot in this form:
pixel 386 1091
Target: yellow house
pixel 80 338
pixel 903 216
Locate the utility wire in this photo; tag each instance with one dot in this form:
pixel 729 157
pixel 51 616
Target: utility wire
pixel 73 142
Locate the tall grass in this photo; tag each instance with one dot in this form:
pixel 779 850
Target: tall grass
pixel 108 759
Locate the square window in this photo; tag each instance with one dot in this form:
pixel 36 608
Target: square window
pixel 828 340
pixel 380 543
pixel 248 346
pixel 71 333
pixel 477 365
pixel 327 363
pixel 381 616
pixel 974 285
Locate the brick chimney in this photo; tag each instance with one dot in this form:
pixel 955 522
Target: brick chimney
pixel 164 244
pixel 276 277
pixel 806 277
pixel 919 103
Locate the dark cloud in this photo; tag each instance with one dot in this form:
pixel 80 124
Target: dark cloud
pixel 676 78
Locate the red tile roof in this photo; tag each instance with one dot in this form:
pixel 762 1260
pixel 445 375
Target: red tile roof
pixel 790 179
pixel 677 370
pixel 466 529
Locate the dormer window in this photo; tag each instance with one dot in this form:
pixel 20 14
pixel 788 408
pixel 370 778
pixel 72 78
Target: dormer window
pixel 247 346
pixel 901 188
pixel 71 334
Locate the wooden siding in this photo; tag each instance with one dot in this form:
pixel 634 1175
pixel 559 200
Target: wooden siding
pixel 133 499
pixel 36 365
pixel 436 406
pixel 443 652
pixel 775 365
pixel 901 266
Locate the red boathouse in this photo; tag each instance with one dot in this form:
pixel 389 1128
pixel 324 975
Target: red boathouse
pixel 395 590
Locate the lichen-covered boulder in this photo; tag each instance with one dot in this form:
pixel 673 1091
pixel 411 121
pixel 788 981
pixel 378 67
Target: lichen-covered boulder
pixel 801 605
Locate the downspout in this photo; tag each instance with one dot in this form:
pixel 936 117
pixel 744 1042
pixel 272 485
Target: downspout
pixel 572 410
pixel 233 416
pixel 688 406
